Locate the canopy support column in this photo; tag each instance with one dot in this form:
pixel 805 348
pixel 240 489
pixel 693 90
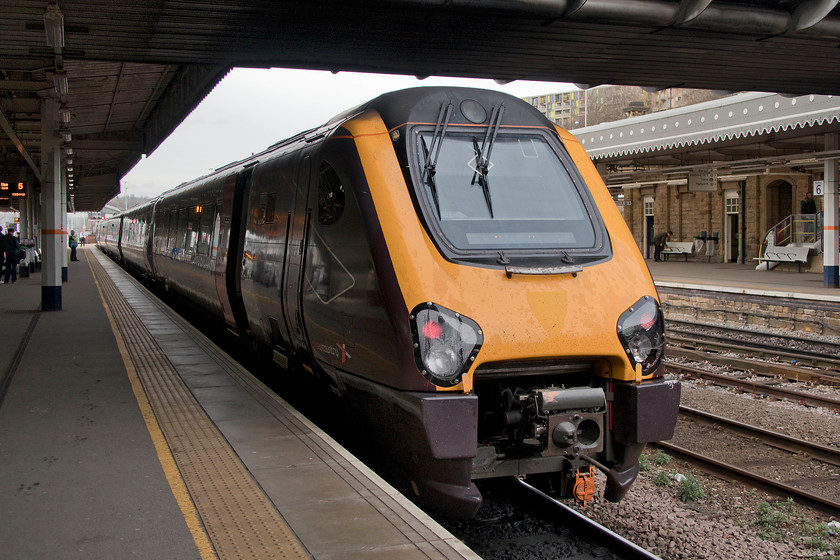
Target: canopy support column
pixel 831 247
pixel 51 208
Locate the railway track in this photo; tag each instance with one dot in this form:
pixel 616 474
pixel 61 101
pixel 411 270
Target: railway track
pixel 776 462
pixel 520 522
pixel 770 387
pixel 793 349
pixel 766 377
pixel 768 369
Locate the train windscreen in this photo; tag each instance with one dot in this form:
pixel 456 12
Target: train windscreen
pixel 511 191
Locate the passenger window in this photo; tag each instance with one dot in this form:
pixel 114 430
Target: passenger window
pixel 330 196
pixel 270 203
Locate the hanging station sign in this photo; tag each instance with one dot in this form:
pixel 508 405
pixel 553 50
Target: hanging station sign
pixel 704 180
pixel 12 189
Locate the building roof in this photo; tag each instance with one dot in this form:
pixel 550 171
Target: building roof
pixel 743 130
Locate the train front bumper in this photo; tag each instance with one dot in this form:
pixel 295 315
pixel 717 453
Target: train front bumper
pixel 642 413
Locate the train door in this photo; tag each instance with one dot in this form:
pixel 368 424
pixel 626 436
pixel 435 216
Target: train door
pixel 231 239
pixel 293 281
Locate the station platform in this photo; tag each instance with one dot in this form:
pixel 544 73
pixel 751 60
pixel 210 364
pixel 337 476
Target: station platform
pixel 741 279
pixel 126 433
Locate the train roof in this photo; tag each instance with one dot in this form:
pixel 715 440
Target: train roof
pixel 410 105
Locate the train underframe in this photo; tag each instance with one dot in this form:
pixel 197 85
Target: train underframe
pixel 439 443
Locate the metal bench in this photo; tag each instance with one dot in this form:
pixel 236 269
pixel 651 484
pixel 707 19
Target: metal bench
pixel 684 248
pixel 787 254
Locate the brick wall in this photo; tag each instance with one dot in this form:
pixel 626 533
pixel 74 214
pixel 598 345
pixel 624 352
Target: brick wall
pixel 750 311
pixel 767 199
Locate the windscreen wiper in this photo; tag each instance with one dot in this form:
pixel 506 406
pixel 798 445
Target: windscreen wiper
pixel 432 152
pixel 482 156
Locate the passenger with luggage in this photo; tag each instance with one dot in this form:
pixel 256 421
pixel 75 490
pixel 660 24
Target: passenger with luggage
pixel 73 244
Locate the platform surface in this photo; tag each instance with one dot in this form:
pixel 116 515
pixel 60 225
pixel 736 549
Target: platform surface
pixel 125 433
pixel 741 279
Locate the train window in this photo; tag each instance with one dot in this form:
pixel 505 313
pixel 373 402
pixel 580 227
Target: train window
pixel 217 224
pixel 270 204
pixel 193 228
pixel 330 196
pixel 524 197
pixel 261 208
pixel 172 229
pixel 181 232
pixel 205 218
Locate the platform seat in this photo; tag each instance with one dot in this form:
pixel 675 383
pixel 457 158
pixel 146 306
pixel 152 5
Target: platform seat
pixel 684 248
pixel 786 254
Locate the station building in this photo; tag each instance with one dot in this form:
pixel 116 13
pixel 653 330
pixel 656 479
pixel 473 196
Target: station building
pixel 726 175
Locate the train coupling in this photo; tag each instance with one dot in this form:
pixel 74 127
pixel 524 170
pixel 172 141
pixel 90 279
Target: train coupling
pixel 584 485
pixel 575 419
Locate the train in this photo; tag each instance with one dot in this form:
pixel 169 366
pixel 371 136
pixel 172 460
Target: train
pixel 449 264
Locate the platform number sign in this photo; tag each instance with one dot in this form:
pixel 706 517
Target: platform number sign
pixel 819 188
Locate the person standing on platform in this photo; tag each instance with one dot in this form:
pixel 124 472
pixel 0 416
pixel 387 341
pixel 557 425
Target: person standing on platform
pixel 808 204
pixel 11 252
pixel 660 242
pixel 808 207
pixel 73 244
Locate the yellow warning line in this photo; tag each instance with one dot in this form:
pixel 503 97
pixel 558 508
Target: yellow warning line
pixel 167 462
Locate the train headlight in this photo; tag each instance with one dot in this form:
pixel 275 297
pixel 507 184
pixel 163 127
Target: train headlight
pixel 641 330
pixel 445 343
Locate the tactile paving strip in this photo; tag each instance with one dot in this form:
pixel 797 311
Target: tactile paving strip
pixel 240 520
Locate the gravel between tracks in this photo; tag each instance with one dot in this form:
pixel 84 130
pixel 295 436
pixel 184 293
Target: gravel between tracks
pixel 732 520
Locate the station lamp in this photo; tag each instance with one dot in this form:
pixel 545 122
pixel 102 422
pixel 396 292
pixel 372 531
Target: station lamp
pixel 54 26
pixel 60 82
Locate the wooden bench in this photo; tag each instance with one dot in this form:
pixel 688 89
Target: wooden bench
pixel 785 254
pixel 677 248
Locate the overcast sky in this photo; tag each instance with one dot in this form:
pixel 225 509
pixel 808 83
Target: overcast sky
pixel 252 109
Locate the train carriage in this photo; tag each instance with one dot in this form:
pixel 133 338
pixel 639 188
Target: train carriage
pixel 135 239
pixel 452 265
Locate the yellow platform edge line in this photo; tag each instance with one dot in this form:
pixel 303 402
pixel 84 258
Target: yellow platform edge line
pixel 167 461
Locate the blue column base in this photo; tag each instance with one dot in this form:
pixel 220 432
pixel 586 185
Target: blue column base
pixel 51 298
pixel 830 276
pixel 64 274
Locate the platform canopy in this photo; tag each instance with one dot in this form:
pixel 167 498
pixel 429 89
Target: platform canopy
pixel 127 73
pixel 738 135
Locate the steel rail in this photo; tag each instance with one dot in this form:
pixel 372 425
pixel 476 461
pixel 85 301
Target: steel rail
pixel 595 531
pixel 754 387
pixel 720 467
pixel 817 451
pixel 816 359
pixel 832 348
pixel 790 372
